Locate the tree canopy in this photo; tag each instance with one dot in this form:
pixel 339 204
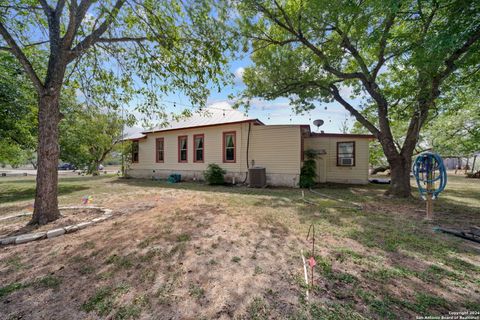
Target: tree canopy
pixel 18 113
pixel 115 52
pixel 88 135
pixel 397 57
pixel 455 131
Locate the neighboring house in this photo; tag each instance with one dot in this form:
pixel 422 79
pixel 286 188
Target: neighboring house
pixel 236 143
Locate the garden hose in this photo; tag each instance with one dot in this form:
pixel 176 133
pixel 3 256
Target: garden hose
pixel 429 169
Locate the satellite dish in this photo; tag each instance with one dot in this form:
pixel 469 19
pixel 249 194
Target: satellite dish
pixel 318 123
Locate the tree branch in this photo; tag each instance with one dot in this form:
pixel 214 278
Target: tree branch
pixel 122 39
pixel 27 45
pixel 97 33
pixel 383 44
pixel 77 13
pixel 60 6
pixel 450 65
pixel 18 53
pixel 360 118
pixel 46 8
pixel 348 45
pixel 427 99
pixel 20 7
pixel 311 46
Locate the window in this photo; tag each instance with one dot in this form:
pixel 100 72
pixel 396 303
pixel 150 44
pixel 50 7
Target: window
pixel 346 154
pixel 159 145
pixel 229 145
pixel 182 148
pixel 199 148
pixel 135 151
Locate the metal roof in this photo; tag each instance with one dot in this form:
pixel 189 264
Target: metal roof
pixel 341 135
pixel 134 136
pixel 207 117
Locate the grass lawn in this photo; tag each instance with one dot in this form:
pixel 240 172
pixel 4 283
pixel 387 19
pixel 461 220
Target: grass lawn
pixel 191 251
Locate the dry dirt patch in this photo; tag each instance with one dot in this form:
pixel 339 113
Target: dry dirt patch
pixel 19 225
pixel 185 254
pixel 172 255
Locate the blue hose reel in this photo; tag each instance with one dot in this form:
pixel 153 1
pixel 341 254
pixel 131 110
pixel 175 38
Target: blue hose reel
pixel 430 174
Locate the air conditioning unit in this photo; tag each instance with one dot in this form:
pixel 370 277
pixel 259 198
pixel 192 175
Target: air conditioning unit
pixel 257 177
pixel 346 162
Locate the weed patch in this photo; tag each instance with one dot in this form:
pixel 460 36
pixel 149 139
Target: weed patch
pixel 196 291
pixel 12 287
pixel 49 281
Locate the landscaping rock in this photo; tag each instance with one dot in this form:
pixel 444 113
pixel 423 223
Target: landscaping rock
pixel 30 237
pixel 83 225
pixel 21 214
pixel 8 240
pixel 102 218
pixel 69 229
pixel 107 214
pixel 55 233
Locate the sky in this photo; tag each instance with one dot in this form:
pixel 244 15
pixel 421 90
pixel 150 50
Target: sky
pixel 276 111
pixel 269 112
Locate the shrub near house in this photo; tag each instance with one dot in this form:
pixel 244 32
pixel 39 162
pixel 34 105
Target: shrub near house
pixel 235 142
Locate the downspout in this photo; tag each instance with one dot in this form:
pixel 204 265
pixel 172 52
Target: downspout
pixel 248 147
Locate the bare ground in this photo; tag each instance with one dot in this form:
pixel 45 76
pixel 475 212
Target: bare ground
pixel 222 254
pixel 179 253
pixel 19 225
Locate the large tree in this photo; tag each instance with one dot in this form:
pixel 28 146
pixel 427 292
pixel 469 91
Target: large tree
pixel 88 135
pixel 18 125
pixel 455 131
pixel 112 51
pixel 396 56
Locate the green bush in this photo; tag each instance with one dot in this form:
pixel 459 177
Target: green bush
pixel 214 174
pixel 308 173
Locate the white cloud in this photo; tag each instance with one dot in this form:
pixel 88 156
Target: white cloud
pixel 265 105
pixel 238 73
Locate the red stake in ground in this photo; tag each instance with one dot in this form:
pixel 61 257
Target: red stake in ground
pixel 311 260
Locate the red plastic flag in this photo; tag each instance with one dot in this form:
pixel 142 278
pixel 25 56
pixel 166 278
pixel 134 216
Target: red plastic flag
pixel 312 262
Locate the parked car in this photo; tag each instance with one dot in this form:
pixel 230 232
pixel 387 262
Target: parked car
pixel 66 166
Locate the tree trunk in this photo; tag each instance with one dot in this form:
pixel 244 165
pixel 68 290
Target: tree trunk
pixel 46 202
pixel 400 177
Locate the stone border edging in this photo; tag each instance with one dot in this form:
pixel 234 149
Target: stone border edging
pixel 24 238
pixel 21 214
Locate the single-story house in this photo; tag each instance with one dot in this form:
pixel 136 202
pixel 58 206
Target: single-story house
pixel 237 143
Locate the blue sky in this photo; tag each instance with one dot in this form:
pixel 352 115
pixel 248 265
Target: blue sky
pixel 269 112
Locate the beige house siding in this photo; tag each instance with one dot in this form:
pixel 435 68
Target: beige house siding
pixel 213 149
pixel 357 174
pixel 277 148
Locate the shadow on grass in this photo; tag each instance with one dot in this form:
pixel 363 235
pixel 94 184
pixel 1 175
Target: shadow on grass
pixel 407 251
pixel 61 179
pixel 14 194
pixel 200 186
